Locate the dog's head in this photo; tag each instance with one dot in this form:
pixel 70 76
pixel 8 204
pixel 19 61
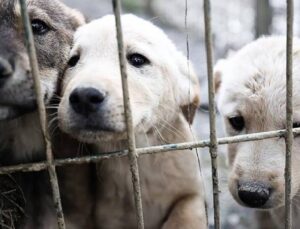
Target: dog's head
pixel 53 25
pixel 252 98
pixel 160 81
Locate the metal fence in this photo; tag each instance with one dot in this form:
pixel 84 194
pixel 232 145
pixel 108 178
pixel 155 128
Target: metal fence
pixel 133 153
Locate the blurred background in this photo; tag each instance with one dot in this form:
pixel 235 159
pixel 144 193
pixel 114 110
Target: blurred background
pixel 235 23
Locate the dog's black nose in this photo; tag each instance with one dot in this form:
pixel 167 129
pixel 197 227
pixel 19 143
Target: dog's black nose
pixel 254 194
pixel 86 100
pixel 5 70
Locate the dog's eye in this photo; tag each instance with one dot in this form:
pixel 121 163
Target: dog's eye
pixel 39 27
pixel 296 124
pixel 137 60
pixel 73 61
pixel 238 123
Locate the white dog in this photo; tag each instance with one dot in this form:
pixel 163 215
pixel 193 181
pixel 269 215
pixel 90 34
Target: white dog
pixel 251 98
pixel 160 85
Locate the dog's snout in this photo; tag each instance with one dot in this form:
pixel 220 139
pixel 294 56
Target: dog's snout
pixel 86 100
pixel 254 194
pixel 5 70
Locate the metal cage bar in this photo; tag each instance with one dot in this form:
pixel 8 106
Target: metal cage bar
pixel 29 167
pixel 213 147
pixel 132 154
pixel 42 113
pixel 289 112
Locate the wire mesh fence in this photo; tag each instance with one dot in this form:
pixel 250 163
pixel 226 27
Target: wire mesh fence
pixel 133 153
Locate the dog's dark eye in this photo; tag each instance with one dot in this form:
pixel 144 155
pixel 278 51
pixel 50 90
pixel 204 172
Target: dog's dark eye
pixel 296 124
pixel 237 123
pixel 137 60
pixel 39 27
pixel 73 61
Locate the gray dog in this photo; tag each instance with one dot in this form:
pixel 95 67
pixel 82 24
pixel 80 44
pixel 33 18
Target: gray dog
pixel 53 25
pixel 21 140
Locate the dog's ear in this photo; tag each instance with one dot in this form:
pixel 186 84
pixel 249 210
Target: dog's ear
pixel 189 89
pixel 78 18
pixel 218 72
pixel 75 18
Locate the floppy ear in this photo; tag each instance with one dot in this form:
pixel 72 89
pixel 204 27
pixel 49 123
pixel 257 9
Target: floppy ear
pixel 78 18
pixel 75 18
pixel 188 88
pixel 218 69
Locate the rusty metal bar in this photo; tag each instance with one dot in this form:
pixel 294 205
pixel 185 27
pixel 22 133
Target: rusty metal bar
pixel 42 112
pixel 34 167
pixel 289 113
pixel 213 148
pixel 132 154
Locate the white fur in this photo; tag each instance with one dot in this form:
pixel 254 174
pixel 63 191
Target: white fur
pixel 252 85
pixel 171 183
pixel 149 85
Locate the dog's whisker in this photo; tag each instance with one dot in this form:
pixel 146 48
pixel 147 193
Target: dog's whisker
pixel 56 96
pixel 160 135
pixel 54 119
pixel 51 107
pixel 52 115
pixel 54 131
pixel 169 127
pixel 52 126
pixel 163 124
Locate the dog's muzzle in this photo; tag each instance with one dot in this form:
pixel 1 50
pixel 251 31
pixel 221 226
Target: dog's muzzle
pixel 254 194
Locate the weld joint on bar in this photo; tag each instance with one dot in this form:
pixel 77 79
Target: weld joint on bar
pixel 212 112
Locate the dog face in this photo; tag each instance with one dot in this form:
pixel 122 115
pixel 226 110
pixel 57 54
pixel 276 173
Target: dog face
pixel 92 109
pixel 252 98
pixel 53 25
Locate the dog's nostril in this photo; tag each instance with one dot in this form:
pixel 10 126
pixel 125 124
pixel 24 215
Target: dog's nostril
pixel 74 98
pixel 254 194
pixel 96 99
pixel 86 100
pixel 5 70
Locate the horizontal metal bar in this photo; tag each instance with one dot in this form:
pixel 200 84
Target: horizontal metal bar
pixel 35 167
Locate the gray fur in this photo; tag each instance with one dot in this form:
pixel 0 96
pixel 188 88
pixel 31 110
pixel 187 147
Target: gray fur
pixel 21 138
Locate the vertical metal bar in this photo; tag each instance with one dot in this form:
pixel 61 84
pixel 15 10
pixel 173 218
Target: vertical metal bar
pixel 289 113
pixel 42 112
pixel 189 108
pixel 132 155
pixel 212 112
